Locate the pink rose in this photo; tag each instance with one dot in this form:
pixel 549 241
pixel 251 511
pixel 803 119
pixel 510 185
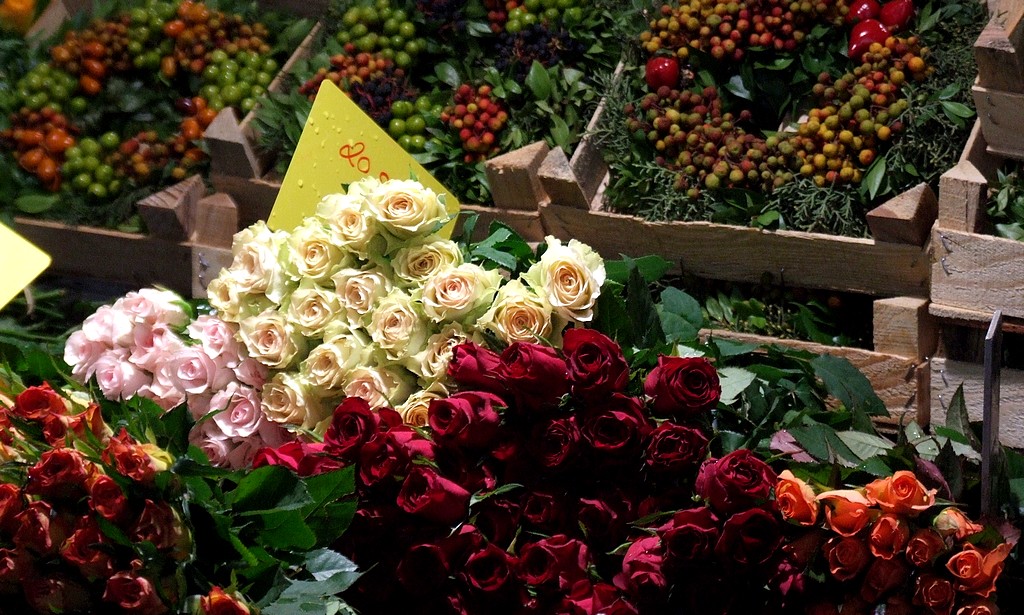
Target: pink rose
pixel 153 344
pixel 117 377
pixel 194 372
pixel 81 353
pixel 152 305
pixel 251 372
pixel 218 340
pixel 237 410
pixel 109 326
pixel 208 437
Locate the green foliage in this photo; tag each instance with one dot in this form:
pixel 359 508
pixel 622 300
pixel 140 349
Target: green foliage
pixel 1006 203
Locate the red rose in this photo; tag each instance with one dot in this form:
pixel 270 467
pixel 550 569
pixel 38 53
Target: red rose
pixel 423 569
pixel 59 474
pixel 55 594
pixel 40 528
pixel 847 557
pixel 924 546
pixel 589 598
pixel 475 367
pixel 934 593
pixel 34 403
pixel 133 593
pixel 55 430
pixel 352 426
pixel 619 426
pixel 15 566
pixel 488 570
pixel 428 494
pixel 317 460
pixel 557 560
pixel 690 537
pixel 735 482
pixel 556 442
pixel 683 386
pixel 129 458
pixel 603 518
pixel 468 419
pixel 641 574
pixel 158 524
pixel 12 502
pixel 674 448
pixel 543 510
pixel 87 548
pixel 381 458
pixel 534 374
pixel 979 607
pixel 497 517
pixel 289 455
pixel 107 499
pixel 88 422
pixel 883 576
pixel 749 538
pixel 595 362
pixel 218 602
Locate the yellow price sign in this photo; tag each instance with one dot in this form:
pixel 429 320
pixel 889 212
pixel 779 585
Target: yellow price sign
pixel 339 145
pixel 21 262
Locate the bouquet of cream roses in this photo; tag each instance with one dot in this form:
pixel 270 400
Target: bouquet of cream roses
pixel 367 298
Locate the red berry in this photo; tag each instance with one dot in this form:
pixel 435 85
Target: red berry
pixel 662 71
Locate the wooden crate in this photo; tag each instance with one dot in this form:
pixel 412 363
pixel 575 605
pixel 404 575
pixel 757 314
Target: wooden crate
pixel 999 91
pixel 190 241
pixel 948 374
pixel 973 273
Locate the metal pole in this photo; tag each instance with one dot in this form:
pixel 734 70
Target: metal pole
pixel 990 414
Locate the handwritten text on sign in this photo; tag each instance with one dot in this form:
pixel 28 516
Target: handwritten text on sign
pixel 339 145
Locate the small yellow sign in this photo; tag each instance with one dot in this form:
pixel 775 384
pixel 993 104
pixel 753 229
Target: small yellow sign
pixel 21 263
pixel 339 145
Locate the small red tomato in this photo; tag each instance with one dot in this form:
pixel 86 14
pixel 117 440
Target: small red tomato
pixel 662 71
pixel 863 34
pixel 896 14
pixel 861 10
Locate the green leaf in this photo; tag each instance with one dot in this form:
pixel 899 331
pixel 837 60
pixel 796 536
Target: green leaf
pixel 734 380
pixel 680 315
pixel 730 348
pixel 539 81
pixel 268 489
pixel 480 496
pixel 875 176
pixel 731 440
pixel 813 439
pixel 652 268
pixel 325 563
pixel 956 110
pixel 36 203
pixel 447 74
pixel 286 530
pixel 738 88
pixel 865 445
pixel 560 132
pixel 957 419
pixel 847 384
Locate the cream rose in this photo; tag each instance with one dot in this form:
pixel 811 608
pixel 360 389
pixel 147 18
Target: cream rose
pixel 397 326
pixel 256 266
pixel 570 278
pixel 431 363
pixel 418 263
pixel 272 340
pixel 223 295
pixel 328 365
pixel 311 308
pixel 287 400
pixel 359 290
pixel 406 208
pixel 348 223
pixel 312 252
pixel 520 315
pixel 378 386
pixel 454 294
pixel 416 408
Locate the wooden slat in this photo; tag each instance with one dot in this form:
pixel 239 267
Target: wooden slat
pixel 905 218
pixel 1000 60
pixel 513 179
pixel 972 318
pixel 560 182
pixel 903 326
pixel 948 374
pixel 526 223
pixel 303 8
pixel 170 213
pixel 111 255
pixel 216 220
pixel 895 379
pixel 978 272
pixel 207 261
pixel 254 197
pixel 1002 119
pixel 722 252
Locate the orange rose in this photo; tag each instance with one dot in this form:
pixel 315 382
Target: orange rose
pixel 883 576
pixel 888 536
pixel 924 546
pixel 219 602
pixel 901 493
pixel 846 557
pixel 847 511
pixel 976 571
pixel 934 593
pixel 953 522
pixel 979 607
pixel 796 500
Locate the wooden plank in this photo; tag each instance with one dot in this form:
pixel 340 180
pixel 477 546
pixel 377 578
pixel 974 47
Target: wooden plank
pixel 723 252
pixel 169 214
pixel 963 195
pixel 54 15
pixel 905 218
pixel 526 223
pixel 216 221
pixel 1002 119
pixel 1000 61
pixel 972 318
pixel 207 261
pixel 303 8
pixel 560 182
pixel 948 374
pixel 254 197
pixel 587 162
pixel 903 326
pixel 513 177
pixel 978 272
pixel 112 255
pixel 895 379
